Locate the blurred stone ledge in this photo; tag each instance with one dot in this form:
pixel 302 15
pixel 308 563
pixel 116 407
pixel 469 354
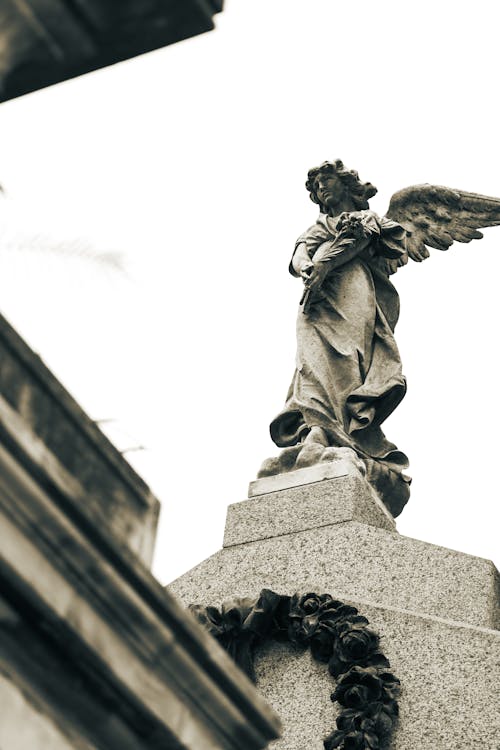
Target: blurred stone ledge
pixel 47 41
pixel 67 453
pixel 94 654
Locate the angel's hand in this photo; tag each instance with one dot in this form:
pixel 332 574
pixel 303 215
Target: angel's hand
pixel 351 225
pixel 316 277
pixel 345 218
pixel 305 271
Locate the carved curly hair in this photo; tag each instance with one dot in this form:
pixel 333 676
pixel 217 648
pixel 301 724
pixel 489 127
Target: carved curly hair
pixel 359 191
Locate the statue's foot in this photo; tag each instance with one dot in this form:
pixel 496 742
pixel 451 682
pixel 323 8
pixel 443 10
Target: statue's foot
pixel 288 457
pixel 309 455
pixel 269 467
pixel 314 450
pixel 348 454
pixel 317 449
pixel 280 464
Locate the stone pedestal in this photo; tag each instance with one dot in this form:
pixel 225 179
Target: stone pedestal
pixel 436 609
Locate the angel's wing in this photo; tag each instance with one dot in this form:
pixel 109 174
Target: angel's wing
pixel 438 216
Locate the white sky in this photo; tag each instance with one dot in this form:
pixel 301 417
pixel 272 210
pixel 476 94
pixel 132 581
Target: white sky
pixel 191 161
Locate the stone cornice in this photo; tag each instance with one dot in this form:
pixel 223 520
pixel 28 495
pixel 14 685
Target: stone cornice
pixel 48 41
pixel 116 621
pixel 65 450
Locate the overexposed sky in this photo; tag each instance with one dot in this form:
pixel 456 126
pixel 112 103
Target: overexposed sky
pixel 191 162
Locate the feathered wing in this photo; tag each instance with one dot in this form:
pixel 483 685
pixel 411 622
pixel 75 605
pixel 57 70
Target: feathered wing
pixel 436 216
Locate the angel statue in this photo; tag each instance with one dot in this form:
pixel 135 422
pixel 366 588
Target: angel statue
pixel 348 375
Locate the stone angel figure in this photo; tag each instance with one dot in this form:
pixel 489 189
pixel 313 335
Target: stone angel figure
pixel 348 375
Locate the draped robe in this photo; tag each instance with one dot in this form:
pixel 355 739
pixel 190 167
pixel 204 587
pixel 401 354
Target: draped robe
pixel 348 375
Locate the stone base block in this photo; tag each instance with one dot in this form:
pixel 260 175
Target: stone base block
pixel 352 560
pixel 328 501
pixel 449 685
pixel 434 608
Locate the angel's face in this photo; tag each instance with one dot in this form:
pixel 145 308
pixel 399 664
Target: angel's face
pixel 330 189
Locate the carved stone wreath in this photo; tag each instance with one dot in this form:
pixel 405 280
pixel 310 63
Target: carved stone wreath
pixel 336 634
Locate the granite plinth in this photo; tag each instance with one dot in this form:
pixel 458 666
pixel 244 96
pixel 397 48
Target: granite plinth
pixel 449 673
pixel 435 609
pixel 345 497
pixel 335 535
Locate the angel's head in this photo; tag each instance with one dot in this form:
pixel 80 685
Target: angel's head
pixel 336 188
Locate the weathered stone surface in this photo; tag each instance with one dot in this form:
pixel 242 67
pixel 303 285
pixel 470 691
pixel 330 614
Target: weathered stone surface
pixel 46 42
pixel 351 560
pixel 299 477
pixel 449 672
pixel 434 608
pixel 24 725
pixel 64 449
pixel 495 604
pixel 93 642
pixel 347 497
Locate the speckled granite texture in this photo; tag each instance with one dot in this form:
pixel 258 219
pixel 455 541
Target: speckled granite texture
pixel 332 501
pixel 450 676
pixel 434 608
pixel 351 560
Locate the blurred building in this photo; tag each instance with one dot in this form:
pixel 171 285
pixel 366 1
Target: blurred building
pixel 43 42
pixel 93 652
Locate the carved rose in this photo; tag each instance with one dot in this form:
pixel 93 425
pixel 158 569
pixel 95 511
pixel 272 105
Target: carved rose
pixel 355 644
pixel 363 685
pixel 369 728
pixel 241 623
pixel 357 688
pixel 314 620
pixel 377 718
pixel 305 615
pixel 336 634
pixel 352 741
pixel 330 625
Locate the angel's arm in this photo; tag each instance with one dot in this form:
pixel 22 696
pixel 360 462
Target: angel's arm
pixel 329 258
pixel 352 238
pixel 333 257
pixel 335 246
pixel 301 264
pixel 305 247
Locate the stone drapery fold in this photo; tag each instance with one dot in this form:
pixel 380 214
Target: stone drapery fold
pixel 348 375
